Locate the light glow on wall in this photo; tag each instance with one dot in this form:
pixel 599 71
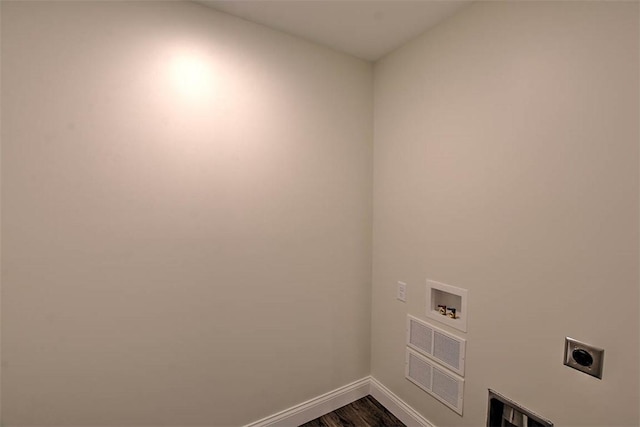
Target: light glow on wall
pixel 192 74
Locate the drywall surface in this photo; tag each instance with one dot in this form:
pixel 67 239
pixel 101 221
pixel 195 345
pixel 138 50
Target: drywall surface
pixel 186 203
pixel 506 163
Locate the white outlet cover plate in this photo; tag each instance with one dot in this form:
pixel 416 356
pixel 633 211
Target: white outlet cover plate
pixel 402 292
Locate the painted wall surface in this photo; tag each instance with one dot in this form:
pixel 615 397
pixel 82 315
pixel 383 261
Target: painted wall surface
pixel 186 216
pixel 506 163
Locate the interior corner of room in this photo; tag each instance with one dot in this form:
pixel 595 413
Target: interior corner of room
pixel 234 213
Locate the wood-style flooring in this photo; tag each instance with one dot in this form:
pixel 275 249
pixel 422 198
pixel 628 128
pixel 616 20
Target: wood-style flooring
pixel 366 412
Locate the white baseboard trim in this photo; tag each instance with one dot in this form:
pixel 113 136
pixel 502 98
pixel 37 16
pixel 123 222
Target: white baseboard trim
pixel 397 406
pixel 316 407
pixel 328 402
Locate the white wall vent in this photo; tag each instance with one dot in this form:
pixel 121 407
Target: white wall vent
pixel 441 346
pixel 445 386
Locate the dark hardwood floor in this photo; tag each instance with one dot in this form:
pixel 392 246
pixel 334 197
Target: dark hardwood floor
pixel 366 412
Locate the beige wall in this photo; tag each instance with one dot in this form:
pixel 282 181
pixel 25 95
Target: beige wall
pixel 174 256
pixel 506 162
pixel 171 256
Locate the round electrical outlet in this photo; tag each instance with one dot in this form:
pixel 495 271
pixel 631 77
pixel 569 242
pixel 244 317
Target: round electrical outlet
pixel 582 357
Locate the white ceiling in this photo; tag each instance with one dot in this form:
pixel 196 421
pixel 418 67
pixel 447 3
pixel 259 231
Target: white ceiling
pixel 363 28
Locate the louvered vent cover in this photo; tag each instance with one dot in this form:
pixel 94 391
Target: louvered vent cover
pixel 420 372
pixel 420 336
pixel 448 388
pixel 441 346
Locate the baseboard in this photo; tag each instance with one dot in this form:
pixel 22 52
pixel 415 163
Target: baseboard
pixel 328 402
pixel 397 406
pixel 316 407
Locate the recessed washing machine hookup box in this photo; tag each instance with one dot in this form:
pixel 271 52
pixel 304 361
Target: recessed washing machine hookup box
pixel 447 304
